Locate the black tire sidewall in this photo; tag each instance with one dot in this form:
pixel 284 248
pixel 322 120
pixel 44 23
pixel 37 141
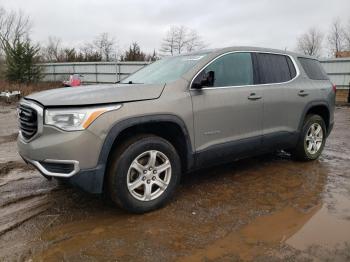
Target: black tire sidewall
pixel 119 168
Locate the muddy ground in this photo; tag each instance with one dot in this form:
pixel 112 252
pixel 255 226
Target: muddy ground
pixel 268 208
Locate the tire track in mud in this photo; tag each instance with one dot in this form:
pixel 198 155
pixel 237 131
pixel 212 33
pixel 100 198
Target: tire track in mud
pixel 18 206
pixel 16 213
pixel 24 193
pixel 5 168
pixel 8 138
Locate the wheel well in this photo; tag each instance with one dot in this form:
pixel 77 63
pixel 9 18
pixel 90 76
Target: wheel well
pixel 170 131
pixel 322 111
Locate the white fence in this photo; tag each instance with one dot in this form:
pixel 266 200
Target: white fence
pixel 91 72
pixel 338 70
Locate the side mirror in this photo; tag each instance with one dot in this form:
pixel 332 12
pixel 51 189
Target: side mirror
pixel 196 85
pixel 204 79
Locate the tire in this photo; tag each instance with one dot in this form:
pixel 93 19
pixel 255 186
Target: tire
pixel 152 190
pixel 309 146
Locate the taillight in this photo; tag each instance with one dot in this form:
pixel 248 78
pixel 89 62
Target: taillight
pixel 334 88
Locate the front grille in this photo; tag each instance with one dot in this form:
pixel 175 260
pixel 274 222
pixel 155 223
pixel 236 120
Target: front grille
pixel 28 121
pixel 62 168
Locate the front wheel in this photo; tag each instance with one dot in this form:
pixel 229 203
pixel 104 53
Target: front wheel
pixel 312 139
pixel 143 173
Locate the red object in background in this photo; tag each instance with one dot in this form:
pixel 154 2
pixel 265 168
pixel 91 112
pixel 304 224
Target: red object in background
pixel 74 80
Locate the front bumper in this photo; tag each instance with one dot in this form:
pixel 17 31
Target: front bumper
pixel 70 155
pixel 62 154
pixel 90 180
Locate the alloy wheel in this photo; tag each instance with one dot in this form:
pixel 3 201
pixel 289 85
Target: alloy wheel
pixel 314 138
pixel 149 175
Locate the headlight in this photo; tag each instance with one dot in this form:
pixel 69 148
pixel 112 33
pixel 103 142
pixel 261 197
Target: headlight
pixel 75 118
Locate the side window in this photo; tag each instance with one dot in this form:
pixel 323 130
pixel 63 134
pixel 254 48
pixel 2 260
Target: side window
pixel 275 68
pixel 313 69
pixel 234 69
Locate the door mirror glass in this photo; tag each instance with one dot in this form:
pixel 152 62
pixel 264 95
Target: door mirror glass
pixel 204 79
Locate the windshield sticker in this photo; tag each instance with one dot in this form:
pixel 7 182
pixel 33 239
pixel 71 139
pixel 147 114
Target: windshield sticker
pixel 194 58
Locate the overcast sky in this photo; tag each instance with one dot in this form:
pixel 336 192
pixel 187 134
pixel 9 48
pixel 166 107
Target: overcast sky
pixel 266 23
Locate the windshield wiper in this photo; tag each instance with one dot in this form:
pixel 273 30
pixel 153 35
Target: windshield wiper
pixel 129 83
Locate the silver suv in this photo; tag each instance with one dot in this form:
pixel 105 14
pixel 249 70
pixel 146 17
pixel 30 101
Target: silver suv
pixel 134 139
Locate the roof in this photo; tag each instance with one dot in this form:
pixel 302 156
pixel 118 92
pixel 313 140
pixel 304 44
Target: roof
pixel 247 48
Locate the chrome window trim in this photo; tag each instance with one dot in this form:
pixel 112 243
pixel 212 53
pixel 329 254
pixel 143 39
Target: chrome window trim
pixel 40 120
pixel 232 52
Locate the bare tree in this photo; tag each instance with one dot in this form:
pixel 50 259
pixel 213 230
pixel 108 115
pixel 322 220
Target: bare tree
pixel 347 36
pixel 194 41
pixel 105 45
pixel 52 52
pixel 89 53
pixel 310 43
pixel 14 26
pixel 168 44
pixel 336 37
pixel 180 39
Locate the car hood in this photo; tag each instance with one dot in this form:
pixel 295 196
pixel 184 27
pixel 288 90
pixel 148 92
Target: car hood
pixel 97 94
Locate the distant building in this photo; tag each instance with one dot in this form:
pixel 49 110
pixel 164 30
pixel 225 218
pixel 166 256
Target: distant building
pixel 338 70
pixel 342 54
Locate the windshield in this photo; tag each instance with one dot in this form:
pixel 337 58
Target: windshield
pixel 163 71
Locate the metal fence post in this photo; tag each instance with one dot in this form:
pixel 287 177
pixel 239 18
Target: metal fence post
pixel 54 73
pixel 116 71
pixel 96 78
pixel 119 74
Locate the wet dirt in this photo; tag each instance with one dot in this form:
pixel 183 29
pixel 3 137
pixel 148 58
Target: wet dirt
pixel 8 166
pixel 268 208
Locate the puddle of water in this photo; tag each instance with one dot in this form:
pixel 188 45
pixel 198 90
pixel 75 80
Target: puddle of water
pixel 257 237
pixel 300 230
pixel 325 228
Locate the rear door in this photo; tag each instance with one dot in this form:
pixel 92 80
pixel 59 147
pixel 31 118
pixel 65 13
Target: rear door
pixel 276 75
pixel 228 114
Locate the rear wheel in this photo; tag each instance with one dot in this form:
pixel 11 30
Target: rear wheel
pixel 312 139
pixel 143 173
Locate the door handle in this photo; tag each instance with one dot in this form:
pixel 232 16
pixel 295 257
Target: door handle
pixel 303 93
pixel 253 96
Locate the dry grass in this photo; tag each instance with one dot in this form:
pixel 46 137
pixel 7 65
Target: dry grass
pixel 28 89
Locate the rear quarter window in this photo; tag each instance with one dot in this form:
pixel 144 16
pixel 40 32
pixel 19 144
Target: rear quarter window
pixel 313 68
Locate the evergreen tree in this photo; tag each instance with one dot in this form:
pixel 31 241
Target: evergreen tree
pixel 134 53
pixel 21 62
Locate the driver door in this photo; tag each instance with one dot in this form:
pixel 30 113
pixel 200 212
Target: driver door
pixel 227 109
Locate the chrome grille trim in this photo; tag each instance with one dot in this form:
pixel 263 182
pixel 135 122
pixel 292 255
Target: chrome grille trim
pixel 30 120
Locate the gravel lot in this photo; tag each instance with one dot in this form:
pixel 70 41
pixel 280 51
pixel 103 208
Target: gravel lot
pixel 268 208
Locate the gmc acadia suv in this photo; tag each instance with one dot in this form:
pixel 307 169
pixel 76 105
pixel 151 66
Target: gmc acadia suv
pixel 134 139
